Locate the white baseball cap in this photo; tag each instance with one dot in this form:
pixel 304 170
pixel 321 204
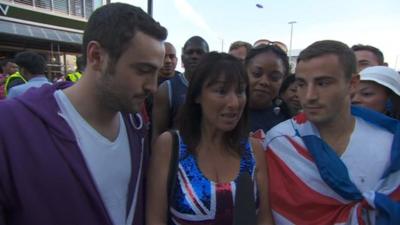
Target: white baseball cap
pixel 382 75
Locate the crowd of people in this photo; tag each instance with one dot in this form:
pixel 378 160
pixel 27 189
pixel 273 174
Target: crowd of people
pixel 28 69
pixel 237 138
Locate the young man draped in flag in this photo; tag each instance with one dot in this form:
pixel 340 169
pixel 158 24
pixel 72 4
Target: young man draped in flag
pixel 333 163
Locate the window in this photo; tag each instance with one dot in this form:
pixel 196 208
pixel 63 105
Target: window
pixel 60 6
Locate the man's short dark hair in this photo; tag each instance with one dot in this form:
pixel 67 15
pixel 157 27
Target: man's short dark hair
pixel 114 25
pixel 378 53
pixel 195 39
pixel 320 48
pixel 31 61
pixel 238 44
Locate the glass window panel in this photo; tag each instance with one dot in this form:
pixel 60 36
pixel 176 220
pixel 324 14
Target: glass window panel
pixel 45 4
pixel 60 6
pixel 88 8
pixel 26 2
pixel 76 7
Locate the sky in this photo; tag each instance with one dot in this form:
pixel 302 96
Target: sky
pixel 221 22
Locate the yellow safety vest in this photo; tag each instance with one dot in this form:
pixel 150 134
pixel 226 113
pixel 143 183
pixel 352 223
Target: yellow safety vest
pixel 12 77
pixel 74 77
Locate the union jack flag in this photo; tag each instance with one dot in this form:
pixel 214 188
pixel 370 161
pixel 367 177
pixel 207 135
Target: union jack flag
pixel 301 193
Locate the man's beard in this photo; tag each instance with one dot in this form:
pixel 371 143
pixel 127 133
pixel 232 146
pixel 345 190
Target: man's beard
pixel 107 93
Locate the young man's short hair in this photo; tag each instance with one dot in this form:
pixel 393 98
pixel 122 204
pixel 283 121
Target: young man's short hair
pixel 195 39
pixel 374 50
pixel 115 24
pixel 345 55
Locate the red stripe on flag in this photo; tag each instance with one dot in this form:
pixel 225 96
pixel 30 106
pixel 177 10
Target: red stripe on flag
pixel 293 199
pixel 395 195
pixel 360 215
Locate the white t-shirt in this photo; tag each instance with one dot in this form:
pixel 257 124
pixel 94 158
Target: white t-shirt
pixel 367 155
pixel 109 162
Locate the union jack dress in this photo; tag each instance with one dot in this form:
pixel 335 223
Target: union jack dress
pixel 198 200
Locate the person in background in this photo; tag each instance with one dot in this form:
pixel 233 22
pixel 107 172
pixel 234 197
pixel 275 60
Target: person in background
pixel 288 95
pixel 170 60
pixel 378 84
pixel 333 163
pixel 167 72
pixel 75 153
pixel 267 66
pixel 171 94
pixel 239 49
pixel 214 150
pixel 367 55
pixel 32 67
pixel 8 67
pixel 80 67
pixel 13 79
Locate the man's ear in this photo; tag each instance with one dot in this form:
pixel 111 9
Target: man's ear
pixel 96 55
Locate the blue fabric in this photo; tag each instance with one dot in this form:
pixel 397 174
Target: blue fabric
pixel 389 105
pixel 335 174
pixel 332 169
pixel 389 211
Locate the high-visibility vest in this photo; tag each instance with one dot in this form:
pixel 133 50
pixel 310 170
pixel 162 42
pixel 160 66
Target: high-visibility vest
pixel 11 78
pixel 74 77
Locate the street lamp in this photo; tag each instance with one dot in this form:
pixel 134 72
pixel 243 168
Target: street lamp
pixel 291 37
pixel 150 7
pixel 222 43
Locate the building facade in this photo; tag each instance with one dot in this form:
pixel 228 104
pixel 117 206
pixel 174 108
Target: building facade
pixel 52 28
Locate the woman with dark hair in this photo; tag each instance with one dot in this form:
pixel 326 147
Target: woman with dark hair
pixel 267 66
pixel 213 150
pixel 288 94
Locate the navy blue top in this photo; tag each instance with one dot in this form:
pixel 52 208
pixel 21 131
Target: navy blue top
pixel 266 118
pixel 177 88
pixel 162 79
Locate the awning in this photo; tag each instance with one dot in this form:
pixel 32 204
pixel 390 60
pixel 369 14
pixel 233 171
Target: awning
pixel 37 32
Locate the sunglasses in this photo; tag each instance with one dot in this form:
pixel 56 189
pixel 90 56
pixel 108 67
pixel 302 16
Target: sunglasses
pixel 263 42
